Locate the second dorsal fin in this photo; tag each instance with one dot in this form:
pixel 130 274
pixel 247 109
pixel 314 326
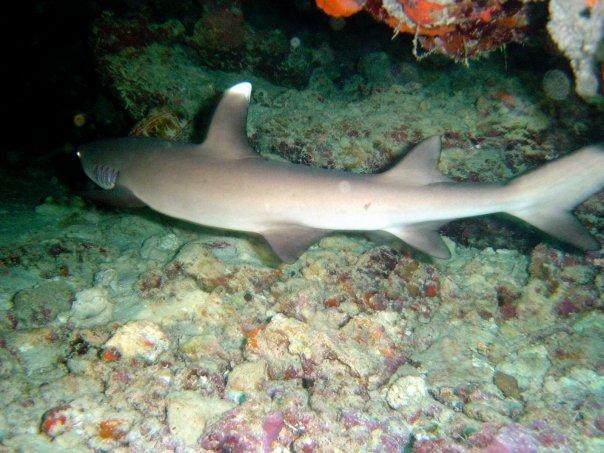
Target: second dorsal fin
pixel 226 137
pixel 419 166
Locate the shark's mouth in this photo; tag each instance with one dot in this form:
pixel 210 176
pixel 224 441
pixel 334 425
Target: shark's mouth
pixel 105 176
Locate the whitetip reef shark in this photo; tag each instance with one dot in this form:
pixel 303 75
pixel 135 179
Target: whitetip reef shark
pixel 223 183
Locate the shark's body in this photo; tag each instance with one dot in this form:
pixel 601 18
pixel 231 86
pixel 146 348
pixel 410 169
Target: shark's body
pixel 223 183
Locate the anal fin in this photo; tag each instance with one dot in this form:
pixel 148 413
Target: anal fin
pixel 560 224
pixel 290 241
pixel 424 237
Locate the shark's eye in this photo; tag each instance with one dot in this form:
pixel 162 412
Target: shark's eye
pixel 105 176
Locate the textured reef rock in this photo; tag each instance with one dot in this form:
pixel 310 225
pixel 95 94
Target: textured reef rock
pixel 164 86
pixel 460 29
pixel 578 29
pixel 126 330
pixel 355 346
pixel 164 73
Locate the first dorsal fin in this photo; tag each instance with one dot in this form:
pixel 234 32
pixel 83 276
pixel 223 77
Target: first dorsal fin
pixel 419 166
pixel 226 137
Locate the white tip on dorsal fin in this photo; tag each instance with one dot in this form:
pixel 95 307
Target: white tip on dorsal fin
pixel 226 137
pixel 242 89
pixel 419 166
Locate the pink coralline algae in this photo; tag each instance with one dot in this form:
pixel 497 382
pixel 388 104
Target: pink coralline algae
pixel 271 426
pixel 391 439
pixel 231 433
pixel 514 438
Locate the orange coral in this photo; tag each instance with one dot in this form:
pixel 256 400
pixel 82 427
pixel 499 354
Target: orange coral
pixel 591 4
pixel 111 355
pixel 111 429
pixel 340 8
pixel 421 11
pixel 460 29
pixel 252 337
pixel 54 423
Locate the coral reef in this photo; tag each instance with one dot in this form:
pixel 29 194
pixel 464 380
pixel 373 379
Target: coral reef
pixel 469 28
pixel 460 29
pixel 154 68
pixel 162 123
pixel 126 330
pixel 356 345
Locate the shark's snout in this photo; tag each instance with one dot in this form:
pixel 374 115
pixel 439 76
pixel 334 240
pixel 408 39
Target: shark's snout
pixel 82 151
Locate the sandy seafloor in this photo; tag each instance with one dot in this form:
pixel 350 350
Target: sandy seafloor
pixel 123 330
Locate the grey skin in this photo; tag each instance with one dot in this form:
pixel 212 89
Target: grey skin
pixel 223 183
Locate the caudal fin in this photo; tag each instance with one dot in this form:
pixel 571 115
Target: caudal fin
pixel 547 195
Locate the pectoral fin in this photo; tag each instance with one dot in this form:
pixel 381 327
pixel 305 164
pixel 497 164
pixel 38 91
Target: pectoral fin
pixel 289 242
pixel 118 196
